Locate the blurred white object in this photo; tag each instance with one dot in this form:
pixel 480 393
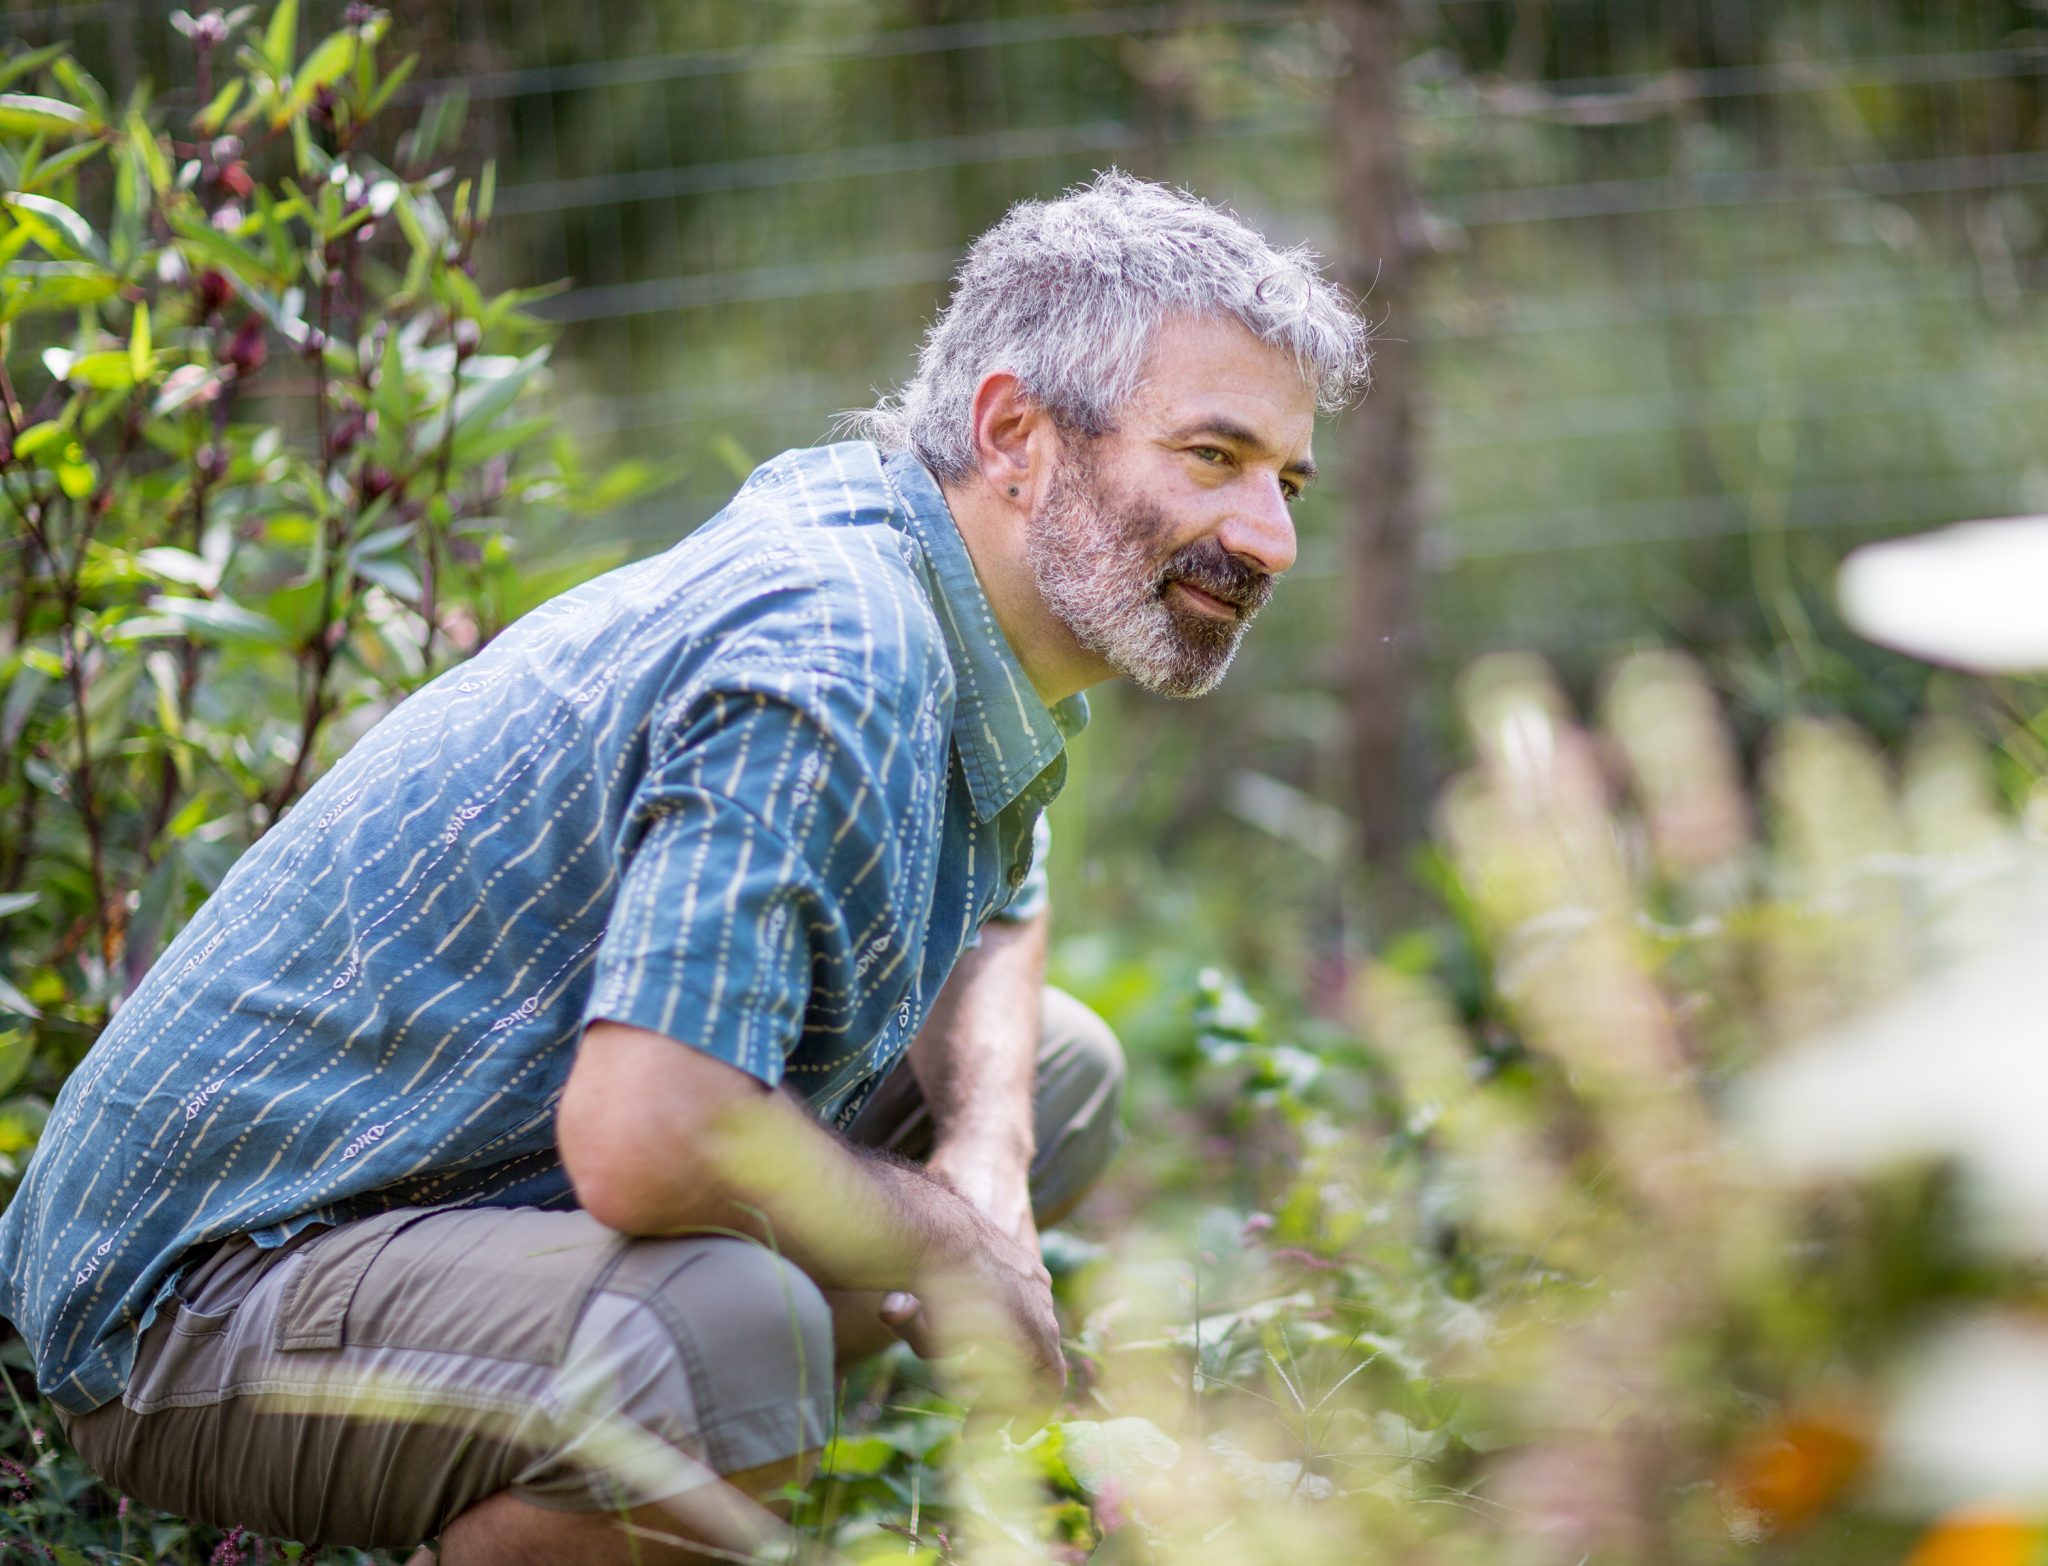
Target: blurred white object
pixel 1955 1069
pixel 1974 595
pixel 1969 1421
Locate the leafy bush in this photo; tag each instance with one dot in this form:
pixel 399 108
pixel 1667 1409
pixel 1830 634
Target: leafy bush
pixel 269 460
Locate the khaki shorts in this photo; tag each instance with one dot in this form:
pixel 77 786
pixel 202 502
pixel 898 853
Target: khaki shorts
pixel 366 1384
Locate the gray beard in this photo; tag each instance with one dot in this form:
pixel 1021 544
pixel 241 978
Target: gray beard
pixel 1098 569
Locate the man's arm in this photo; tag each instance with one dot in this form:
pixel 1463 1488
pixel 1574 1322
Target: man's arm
pixel 658 1138
pixel 976 1062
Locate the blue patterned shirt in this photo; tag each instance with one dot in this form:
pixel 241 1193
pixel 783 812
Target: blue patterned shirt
pixel 756 793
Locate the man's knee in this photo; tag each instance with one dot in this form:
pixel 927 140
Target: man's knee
pixel 1080 1103
pixel 750 1336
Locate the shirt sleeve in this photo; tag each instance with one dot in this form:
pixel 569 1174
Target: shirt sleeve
pixel 1034 893
pixel 758 854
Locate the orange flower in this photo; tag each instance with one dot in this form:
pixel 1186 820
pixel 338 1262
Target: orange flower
pixel 1789 1474
pixel 1979 1536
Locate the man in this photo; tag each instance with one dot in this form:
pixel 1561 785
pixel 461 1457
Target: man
pixel 497 1154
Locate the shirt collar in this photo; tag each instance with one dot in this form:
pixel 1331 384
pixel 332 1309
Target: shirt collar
pixel 1004 733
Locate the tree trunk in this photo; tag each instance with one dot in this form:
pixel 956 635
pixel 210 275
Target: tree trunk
pixel 1380 622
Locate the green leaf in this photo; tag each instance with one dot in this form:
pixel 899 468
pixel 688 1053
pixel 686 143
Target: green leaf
pixel 138 344
pixel 205 619
pixel 17 1053
pixel 281 38
pixel 55 226
pixel 857 1459
pixel 482 445
pixel 149 152
pixel 490 385
pixel 44 662
pixel 29 286
pixel 53 168
pixel 75 479
pixel 214 115
pixel 627 480
pixel 233 257
pixel 17 66
pixel 23 692
pixel 159 893
pixel 179 565
pixel 40 437
pixel 82 87
pixel 13 1000
pixel 394 576
pixel 25 114
pixel 1116 1452
pixel 382 541
pixel 191 816
pixel 328 63
pixel 21 1123
pixel 390 85
pixel 110 370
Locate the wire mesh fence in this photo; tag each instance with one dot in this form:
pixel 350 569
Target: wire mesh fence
pixel 1710 289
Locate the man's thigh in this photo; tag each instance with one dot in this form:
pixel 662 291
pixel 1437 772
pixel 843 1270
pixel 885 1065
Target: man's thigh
pixel 1076 1112
pixel 372 1384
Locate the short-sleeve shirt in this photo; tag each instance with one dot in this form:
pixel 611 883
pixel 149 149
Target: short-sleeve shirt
pixel 756 793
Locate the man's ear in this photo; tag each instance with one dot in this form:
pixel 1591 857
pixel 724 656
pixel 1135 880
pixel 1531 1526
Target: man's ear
pixel 1013 439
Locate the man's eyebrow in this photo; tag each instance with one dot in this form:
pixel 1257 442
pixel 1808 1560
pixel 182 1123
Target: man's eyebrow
pixel 1243 435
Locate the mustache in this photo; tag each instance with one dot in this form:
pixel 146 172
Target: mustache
pixel 1207 565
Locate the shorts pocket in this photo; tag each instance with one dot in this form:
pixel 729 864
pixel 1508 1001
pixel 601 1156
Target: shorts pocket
pixel 499 1283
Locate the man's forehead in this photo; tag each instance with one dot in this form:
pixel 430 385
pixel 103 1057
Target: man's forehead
pixel 1213 371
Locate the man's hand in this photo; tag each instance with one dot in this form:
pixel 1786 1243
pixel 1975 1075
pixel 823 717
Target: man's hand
pixel 998 1313
pixel 975 1062
pixel 659 1138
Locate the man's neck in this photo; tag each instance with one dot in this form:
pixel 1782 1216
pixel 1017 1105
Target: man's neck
pixel 993 530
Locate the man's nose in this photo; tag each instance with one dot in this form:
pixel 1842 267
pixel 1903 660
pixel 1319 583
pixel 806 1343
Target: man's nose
pixel 1260 531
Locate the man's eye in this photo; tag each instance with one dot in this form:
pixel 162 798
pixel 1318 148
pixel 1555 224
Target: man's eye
pixel 1292 492
pixel 1212 454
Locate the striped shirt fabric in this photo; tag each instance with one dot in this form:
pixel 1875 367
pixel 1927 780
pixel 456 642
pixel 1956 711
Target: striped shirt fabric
pixel 756 793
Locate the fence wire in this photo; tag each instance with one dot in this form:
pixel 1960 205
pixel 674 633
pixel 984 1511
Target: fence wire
pixel 1689 264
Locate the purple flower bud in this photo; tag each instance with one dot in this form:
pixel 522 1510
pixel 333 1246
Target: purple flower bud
pixel 345 435
pixel 248 349
pixel 214 290
pixel 468 337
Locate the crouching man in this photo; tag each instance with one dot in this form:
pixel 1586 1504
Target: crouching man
pixel 648 1015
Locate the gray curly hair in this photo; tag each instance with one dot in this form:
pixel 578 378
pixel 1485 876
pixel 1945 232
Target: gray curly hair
pixel 1066 295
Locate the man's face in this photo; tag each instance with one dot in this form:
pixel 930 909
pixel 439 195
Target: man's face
pixel 1157 543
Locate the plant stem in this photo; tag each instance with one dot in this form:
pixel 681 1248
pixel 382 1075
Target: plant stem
pixel 326 642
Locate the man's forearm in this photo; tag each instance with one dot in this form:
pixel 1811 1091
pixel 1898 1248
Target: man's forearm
pixel 657 1139
pixel 975 1062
